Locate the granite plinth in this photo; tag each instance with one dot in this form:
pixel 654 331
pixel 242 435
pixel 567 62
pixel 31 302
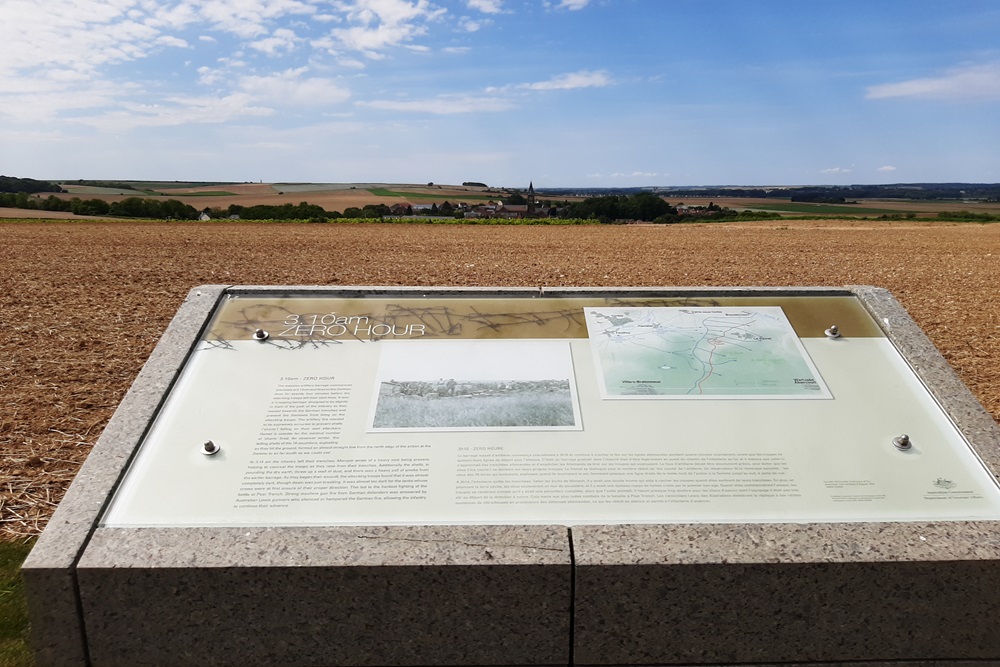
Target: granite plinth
pixel 328 596
pixel 910 594
pixel 712 594
pixel 58 636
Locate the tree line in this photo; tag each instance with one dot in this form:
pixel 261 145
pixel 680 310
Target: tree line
pixel 12 185
pixel 132 207
pixel 649 207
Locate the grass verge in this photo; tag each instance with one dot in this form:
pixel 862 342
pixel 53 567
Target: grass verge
pixel 14 648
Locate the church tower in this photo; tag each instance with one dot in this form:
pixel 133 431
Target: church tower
pixel 531 198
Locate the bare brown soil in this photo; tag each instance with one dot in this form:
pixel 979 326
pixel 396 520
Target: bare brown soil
pixel 38 215
pixel 84 303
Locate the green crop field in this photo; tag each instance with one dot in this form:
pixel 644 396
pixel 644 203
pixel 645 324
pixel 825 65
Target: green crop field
pixel 824 209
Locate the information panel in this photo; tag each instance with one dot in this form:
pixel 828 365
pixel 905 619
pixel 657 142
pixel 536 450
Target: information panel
pixel 524 410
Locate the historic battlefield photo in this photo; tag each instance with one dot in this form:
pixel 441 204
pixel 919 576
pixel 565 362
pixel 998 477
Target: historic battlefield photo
pixel 476 385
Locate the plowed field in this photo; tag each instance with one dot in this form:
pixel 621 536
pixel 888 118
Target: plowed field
pixel 84 303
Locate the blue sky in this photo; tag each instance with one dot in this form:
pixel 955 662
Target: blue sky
pixel 560 92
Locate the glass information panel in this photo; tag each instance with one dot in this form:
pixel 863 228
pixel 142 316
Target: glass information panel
pixel 522 410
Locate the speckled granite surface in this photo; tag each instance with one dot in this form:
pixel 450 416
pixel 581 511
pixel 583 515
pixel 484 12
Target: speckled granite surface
pixel 648 595
pixel 421 595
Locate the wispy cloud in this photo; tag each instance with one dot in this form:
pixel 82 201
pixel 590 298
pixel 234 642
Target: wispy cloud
pixel 581 79
pixel 468 25
pixel 494 99
pixel 248 19
pixel 635 174
pixel 444 105
pixel 281 40
pixel 886 169
pixel 836 170
pixel 291 89
pixel 573 5
pixel 45 99
pixel 969 83
pixel 179 110
pixel 376 25
pixel 627 175
pixel 486 6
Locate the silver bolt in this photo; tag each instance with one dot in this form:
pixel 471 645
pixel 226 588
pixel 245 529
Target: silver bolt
pixel 902 442
pixel 210 448
pixel 260 334
pixel 833 332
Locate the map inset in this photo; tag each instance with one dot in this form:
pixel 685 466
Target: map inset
pixel 718 352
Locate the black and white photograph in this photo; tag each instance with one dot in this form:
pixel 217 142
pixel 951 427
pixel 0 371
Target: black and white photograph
pixel 472 385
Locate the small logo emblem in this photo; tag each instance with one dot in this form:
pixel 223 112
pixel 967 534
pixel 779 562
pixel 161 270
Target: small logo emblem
pixel 943 483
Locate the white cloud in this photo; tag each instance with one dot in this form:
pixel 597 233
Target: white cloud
pixel 376 25
pixel 249 18
pixel 170 40
pixel 177 111
pixel 635 174
pixel 42 100
pixel 457 50
pixel 281 40
pixel 444 105
pixel 836 170
pixel 89 36
pixel 969 83
pixel 573 5
pixel 886 169
pixel 290 88
pixel 177 17
pixel 208 76
pixel 468 25
pixel 487 6
pixel 581 79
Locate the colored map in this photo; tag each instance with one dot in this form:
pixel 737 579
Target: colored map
pixel 717 352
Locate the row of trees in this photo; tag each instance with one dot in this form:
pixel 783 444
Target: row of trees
pixel 648 207
pixel 610 208
pixel 300 211
pixel 12 185
pixel 133 207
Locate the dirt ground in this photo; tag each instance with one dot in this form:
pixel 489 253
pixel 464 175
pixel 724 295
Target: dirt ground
pixel 83 303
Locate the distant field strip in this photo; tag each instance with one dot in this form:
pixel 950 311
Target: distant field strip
pixel 97 190
pixel 310 187
pixel 823 209
pixel 383 192
pixel 160 185
pixel 209 193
